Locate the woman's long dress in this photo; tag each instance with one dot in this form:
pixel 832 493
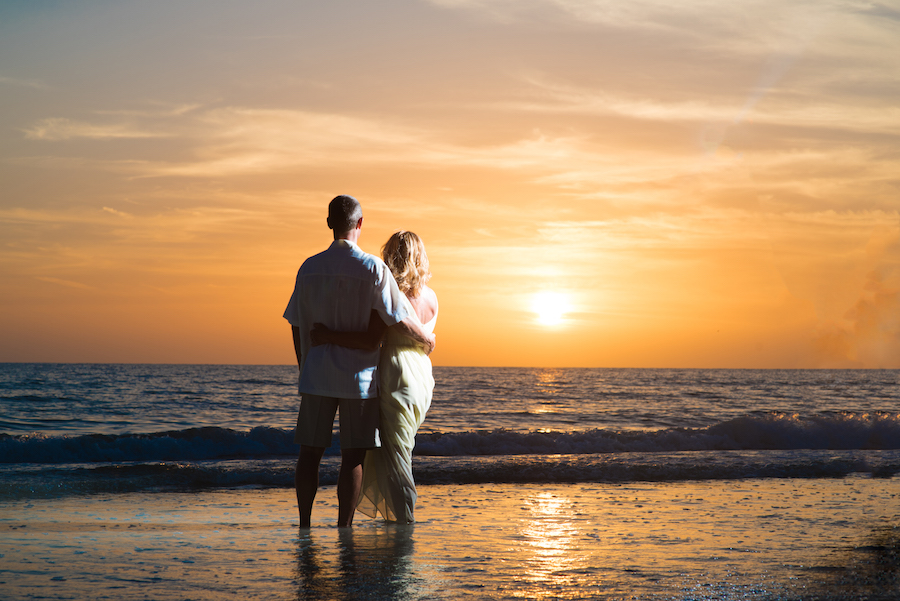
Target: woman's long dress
pixel 405 388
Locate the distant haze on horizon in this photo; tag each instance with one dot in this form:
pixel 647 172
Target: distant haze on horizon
pixel 598 183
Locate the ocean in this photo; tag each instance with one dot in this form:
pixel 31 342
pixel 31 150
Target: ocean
pixel 69 429
pixel 498 443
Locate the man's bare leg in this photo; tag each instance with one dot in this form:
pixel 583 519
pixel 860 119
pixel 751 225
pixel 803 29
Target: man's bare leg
pixel 306 481
pixel 349 484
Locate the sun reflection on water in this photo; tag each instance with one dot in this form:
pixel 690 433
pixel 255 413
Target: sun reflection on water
pixel 548 377
pixel 550 547
pixel 547 381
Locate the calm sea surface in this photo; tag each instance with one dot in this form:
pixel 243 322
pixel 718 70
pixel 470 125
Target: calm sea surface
pixel 68 428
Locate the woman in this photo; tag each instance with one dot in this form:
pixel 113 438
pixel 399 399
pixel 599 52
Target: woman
pixel 405 384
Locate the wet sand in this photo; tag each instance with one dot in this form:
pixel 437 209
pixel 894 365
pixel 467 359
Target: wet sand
pixel 747 539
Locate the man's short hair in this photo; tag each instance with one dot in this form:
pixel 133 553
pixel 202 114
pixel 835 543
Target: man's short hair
pixel 344 212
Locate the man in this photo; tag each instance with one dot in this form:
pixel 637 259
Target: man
pixel 341 288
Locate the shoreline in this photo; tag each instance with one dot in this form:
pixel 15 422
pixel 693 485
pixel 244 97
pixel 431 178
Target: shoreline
pixel 787 538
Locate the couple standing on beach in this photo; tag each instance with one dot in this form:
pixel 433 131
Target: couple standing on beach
pixel 363 329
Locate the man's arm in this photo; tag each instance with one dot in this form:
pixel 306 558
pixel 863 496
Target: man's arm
pixel 369 340
pixel 411 328
pixel 295 331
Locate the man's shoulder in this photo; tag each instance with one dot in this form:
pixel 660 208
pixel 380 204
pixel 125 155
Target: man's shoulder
pixel 345 258
pixel 353 253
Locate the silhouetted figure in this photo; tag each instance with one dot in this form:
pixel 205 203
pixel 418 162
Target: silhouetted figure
pixel 341 288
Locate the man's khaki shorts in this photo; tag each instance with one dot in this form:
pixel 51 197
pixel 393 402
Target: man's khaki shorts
pixel 359 420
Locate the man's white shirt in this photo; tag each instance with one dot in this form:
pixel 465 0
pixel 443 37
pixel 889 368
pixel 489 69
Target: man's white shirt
pixel 339 288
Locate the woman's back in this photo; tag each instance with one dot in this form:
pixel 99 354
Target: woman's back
pixel 426 305
pixel 423 306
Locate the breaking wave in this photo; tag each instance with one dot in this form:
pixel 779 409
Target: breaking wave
pixel 768 431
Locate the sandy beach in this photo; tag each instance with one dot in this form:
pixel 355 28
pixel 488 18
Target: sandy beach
pixel 748 539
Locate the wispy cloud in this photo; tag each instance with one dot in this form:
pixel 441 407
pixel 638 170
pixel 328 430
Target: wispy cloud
pixel 162 112
pixel 880 10
pixel 115 212
pixel 23 83
pixel 66 283
pixel 233 141
pixel 60 128
pixel 691 18
pixel 560 98
pixel 237 140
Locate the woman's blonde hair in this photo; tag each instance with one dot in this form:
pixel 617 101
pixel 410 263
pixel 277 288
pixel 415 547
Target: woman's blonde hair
pixel 405 255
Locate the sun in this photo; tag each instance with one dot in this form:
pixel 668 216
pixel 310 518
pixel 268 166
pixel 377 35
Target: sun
pixel 550 307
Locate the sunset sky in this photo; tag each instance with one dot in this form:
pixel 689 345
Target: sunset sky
pixel 697 183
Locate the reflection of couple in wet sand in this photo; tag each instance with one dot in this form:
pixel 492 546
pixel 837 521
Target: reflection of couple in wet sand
pixel 358 563
pixel 363 330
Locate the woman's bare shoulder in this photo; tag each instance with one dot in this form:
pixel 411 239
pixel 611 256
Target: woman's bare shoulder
pixel 426 304
pixel 430 296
